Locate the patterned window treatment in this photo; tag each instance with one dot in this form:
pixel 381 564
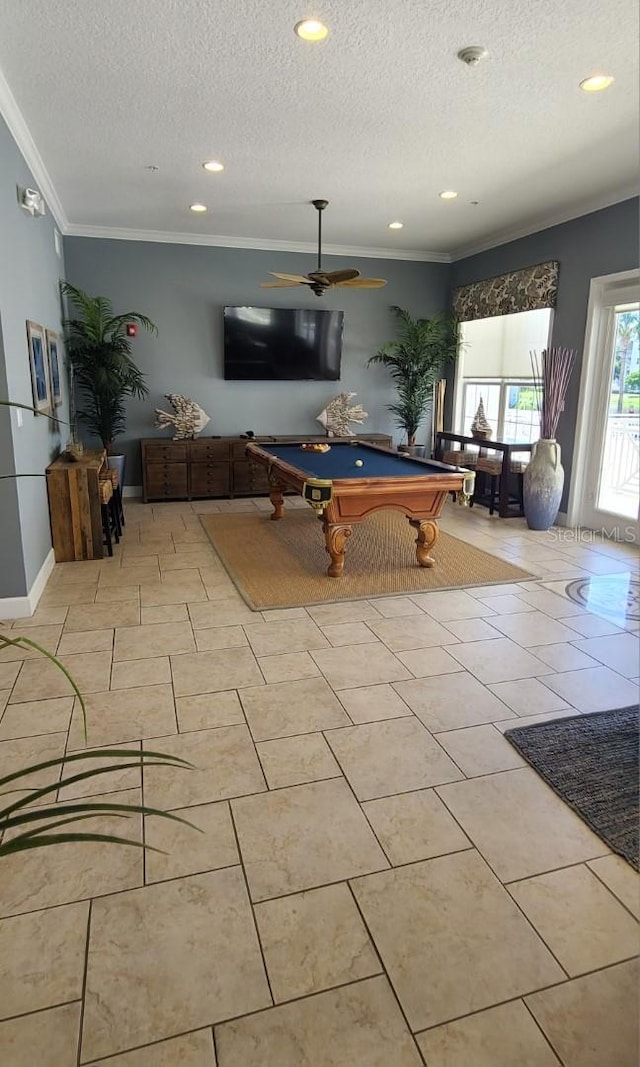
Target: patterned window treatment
pixel 520 290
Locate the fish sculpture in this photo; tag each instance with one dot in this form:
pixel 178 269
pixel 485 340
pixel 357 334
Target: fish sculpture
pixel 189 418
pixel 338 413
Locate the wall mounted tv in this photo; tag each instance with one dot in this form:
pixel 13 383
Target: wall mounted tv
pixel 282 344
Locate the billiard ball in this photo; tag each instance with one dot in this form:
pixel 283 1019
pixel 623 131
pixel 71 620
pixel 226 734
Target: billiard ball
pixel 359 463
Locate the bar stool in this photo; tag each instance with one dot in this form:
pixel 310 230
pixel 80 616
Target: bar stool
pixel 493 467
pixel 112 473
pixel 460 457
pixel 107 513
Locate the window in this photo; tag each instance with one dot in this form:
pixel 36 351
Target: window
pixel 509 404
pixel 495 364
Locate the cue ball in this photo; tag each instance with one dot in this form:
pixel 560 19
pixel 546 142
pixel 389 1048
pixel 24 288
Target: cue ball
pixel 359 463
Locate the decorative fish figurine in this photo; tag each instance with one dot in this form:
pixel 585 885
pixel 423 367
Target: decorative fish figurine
pixel 338 413
pixel 189 420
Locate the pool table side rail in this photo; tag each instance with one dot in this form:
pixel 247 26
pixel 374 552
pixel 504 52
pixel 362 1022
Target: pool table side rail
pixel 416 496
pixel 261 453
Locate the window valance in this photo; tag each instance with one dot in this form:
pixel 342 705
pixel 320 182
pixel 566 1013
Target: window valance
pixel 519 290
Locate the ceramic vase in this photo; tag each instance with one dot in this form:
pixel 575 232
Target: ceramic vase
pixel 543 483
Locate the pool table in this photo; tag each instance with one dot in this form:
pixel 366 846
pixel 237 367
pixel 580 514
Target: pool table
pixel 353 479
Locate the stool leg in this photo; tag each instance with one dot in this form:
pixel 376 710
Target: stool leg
pixel 118 495
pixel 106 527
pixel 521 492
pixel 115 517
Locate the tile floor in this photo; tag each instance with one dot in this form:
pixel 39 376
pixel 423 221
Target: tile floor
pixel 376 878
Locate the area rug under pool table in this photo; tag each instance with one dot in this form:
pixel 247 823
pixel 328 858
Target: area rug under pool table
pixel 283 564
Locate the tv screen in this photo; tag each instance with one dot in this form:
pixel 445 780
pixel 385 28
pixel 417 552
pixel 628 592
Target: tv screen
pixel 282 344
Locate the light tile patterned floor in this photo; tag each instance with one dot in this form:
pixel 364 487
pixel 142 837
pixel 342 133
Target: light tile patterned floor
pixel 378 878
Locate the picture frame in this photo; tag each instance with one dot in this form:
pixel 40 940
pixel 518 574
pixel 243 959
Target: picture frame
pixel 39 366
pixel 54 355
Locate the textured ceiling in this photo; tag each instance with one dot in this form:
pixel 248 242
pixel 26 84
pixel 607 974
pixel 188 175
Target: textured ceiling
pixel 379 118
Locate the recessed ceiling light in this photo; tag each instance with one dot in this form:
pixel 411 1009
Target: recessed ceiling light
pixel 213 165
pixel 396 225
pixel 596 83
pixel 197 208
pixel 448 194
pixel 311 30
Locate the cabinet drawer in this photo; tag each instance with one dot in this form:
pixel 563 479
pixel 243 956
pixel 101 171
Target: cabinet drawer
pixel 210 479
pixel 250 479
pixel 209 449
pixel 166 479
pixel 166 452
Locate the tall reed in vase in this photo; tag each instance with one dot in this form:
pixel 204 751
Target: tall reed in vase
pixel 544 477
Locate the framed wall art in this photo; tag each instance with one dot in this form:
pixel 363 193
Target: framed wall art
pixel 39 364
pixel 54 354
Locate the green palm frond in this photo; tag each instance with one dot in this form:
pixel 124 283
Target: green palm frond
pixel 104 370
pixel 415 360
pixel 21 813
pixel 27 407
pixel 26 642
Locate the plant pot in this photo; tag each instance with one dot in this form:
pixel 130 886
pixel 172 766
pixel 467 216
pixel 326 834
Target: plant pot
pixel 118 462
pixel 413 450
pixel 543 484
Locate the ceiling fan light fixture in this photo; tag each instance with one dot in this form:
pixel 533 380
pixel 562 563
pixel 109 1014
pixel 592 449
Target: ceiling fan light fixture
pixel 198 209
pixel 596 83
pixel 213 165
pixel 396 225
pixel 311 30
pixel 448 194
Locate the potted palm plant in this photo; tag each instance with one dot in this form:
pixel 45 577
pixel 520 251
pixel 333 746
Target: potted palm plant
pixel 415 360
pixel 23 826
pixel 104 371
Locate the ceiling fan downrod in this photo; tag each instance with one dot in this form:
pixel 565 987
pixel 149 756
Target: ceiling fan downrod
pixel 319 205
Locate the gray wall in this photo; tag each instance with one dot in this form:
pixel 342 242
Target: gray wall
pixel 29 275
pixel 604 242
pixel 184 288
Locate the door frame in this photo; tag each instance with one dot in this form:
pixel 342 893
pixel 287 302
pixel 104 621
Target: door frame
pixel 604 291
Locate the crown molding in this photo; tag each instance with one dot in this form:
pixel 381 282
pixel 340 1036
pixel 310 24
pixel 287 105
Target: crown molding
pixel 114 233
pixel 586 207
pixel 20 132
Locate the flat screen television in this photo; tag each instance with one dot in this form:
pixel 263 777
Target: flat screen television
pixel 282 344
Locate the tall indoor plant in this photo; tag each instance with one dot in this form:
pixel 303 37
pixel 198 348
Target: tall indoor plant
pixel 415 360
pixel 23 826
pixel 104 371
pixel 544 477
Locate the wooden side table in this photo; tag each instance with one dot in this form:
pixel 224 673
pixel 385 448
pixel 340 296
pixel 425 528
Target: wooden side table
pixel 74 506
pixel 506 449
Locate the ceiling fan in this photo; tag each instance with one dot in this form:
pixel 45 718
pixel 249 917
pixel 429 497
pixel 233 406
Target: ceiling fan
pixel 320 280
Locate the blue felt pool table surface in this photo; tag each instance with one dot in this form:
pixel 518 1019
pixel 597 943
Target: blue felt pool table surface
pixel 340 462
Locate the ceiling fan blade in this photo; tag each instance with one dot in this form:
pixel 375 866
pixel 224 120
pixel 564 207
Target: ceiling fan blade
pixel 362 283
pixel 281 285
pixel 338 276
pixel 288 277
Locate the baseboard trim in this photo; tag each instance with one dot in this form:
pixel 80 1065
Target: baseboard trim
pixel 23 607
pixel 133 490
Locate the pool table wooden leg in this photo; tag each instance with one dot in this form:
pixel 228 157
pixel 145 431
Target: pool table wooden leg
pixel 335 535
pixel 427 536
pixel 277 499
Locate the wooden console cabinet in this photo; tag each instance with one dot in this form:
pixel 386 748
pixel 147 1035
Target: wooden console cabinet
pixel 74 506
pixel 213 466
